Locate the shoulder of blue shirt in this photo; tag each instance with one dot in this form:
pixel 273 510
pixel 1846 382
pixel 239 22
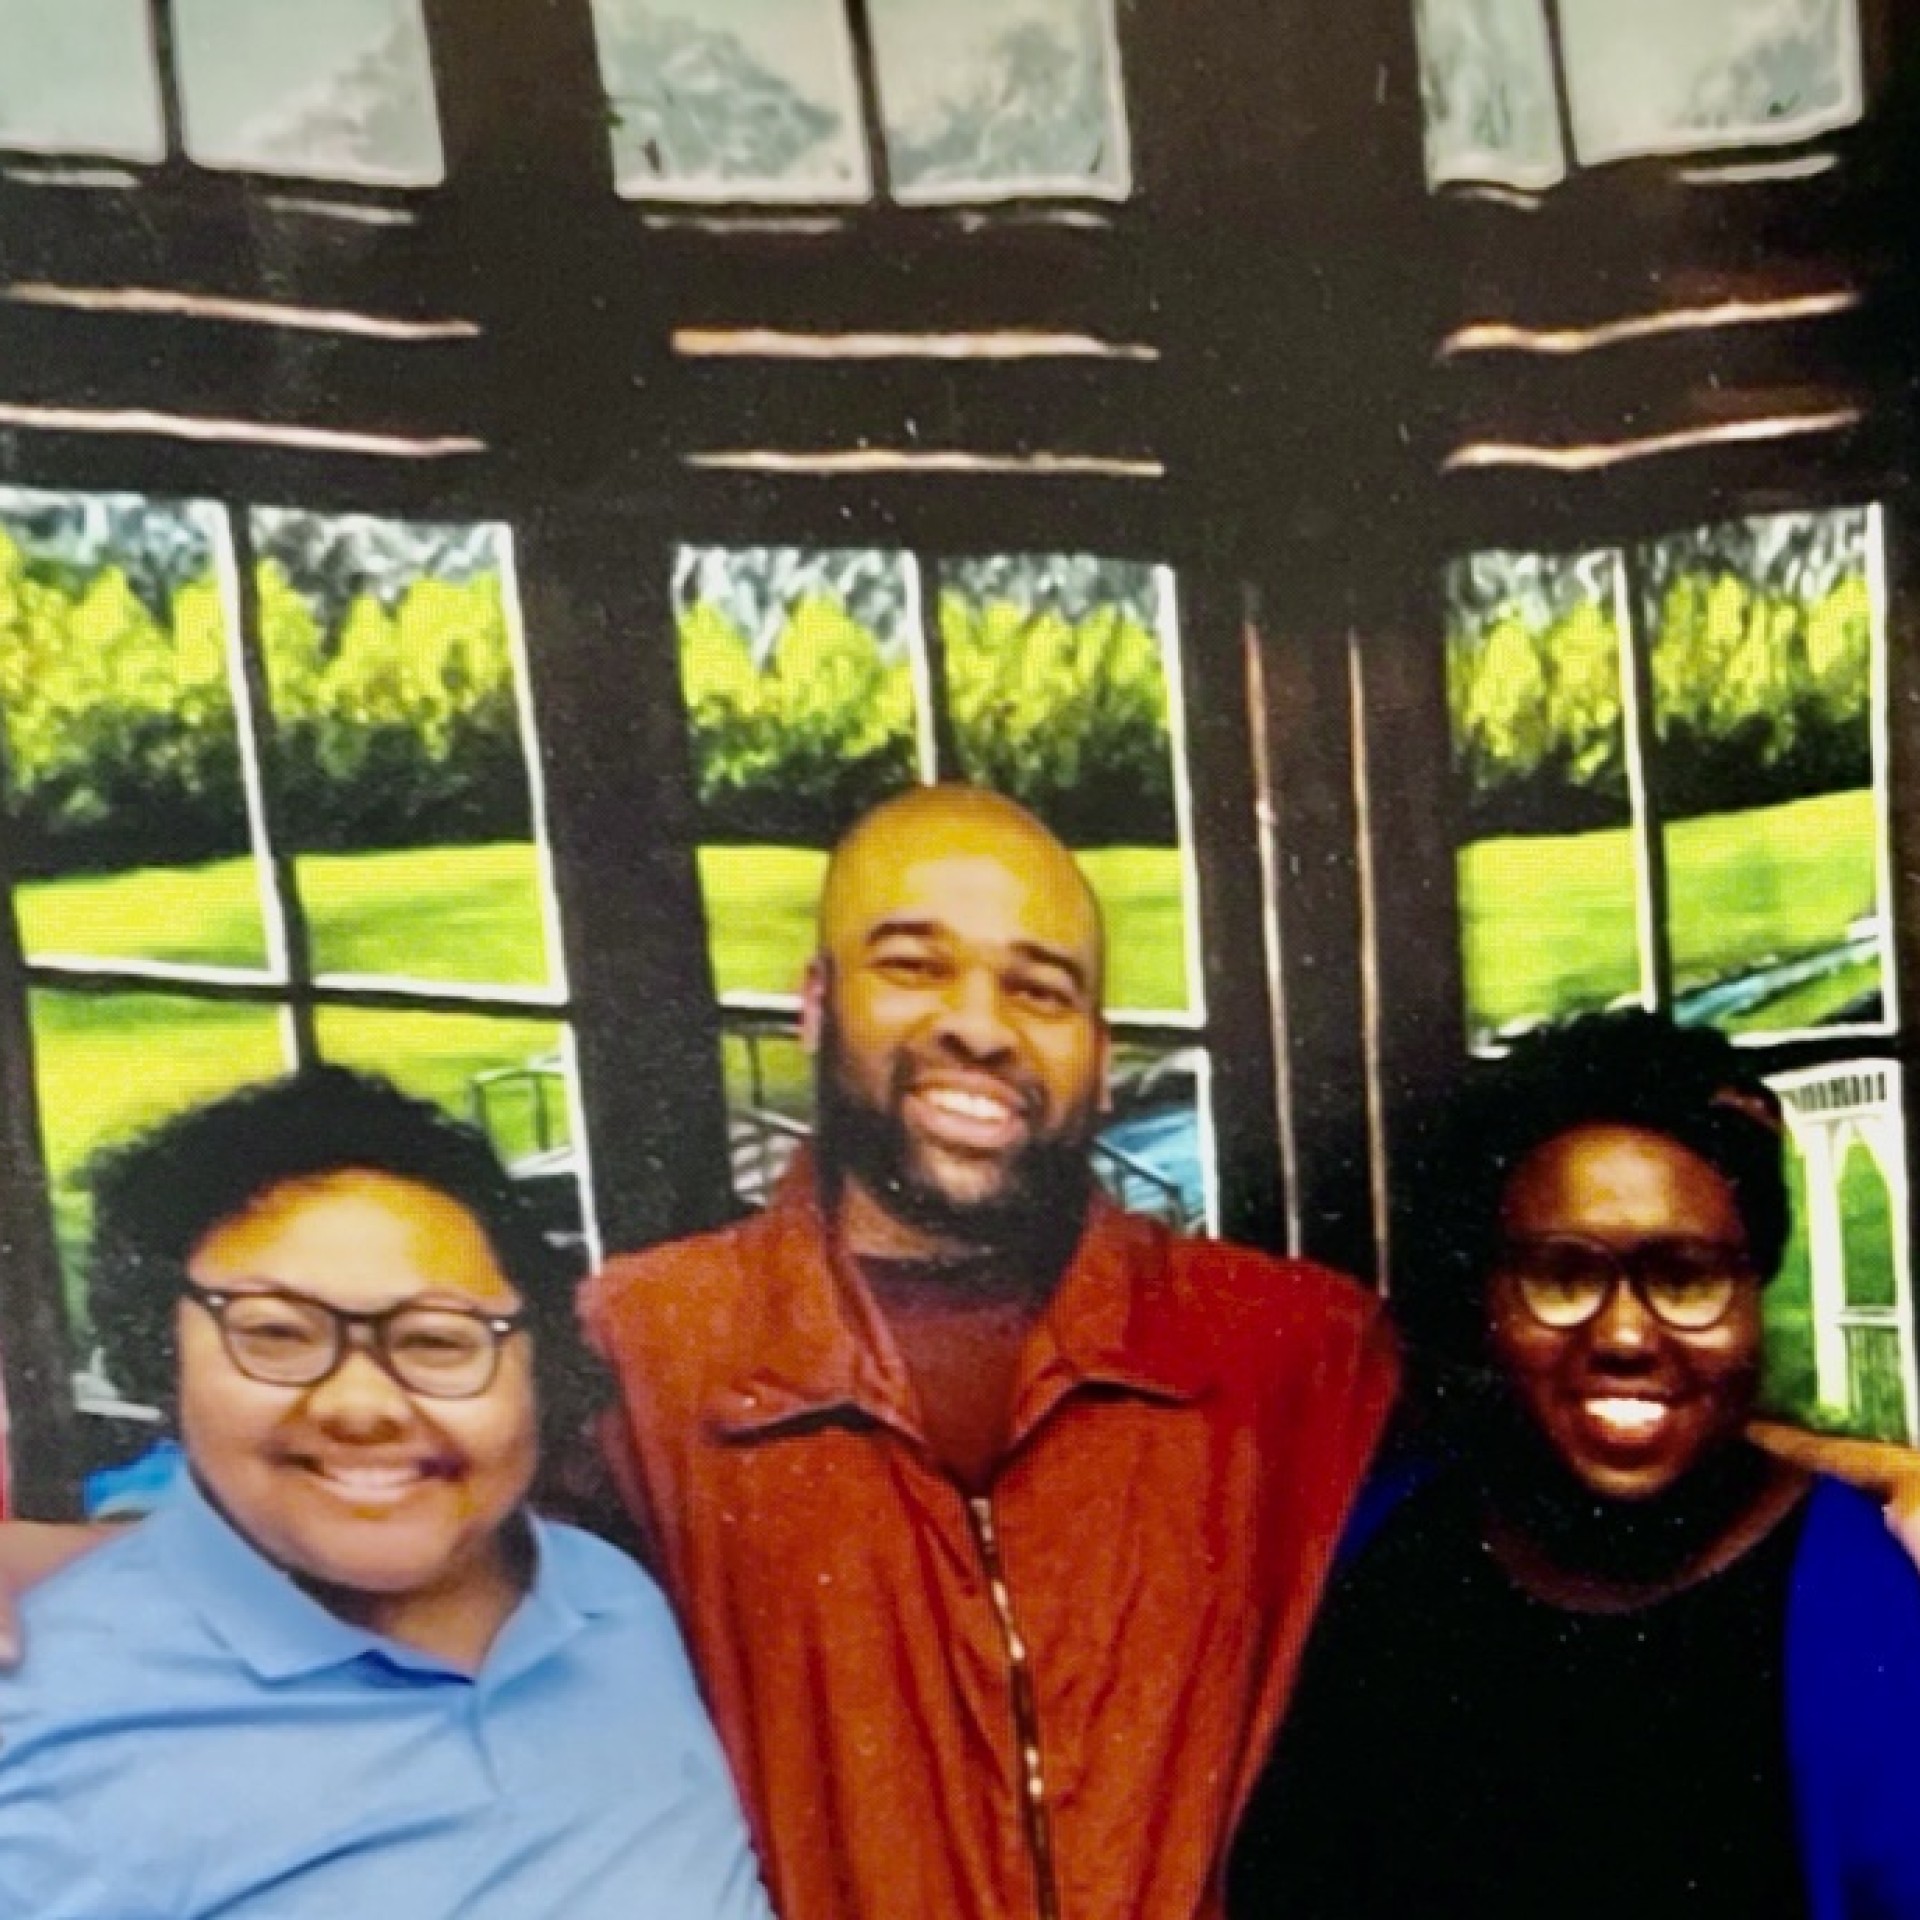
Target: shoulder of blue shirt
pixel 143 1579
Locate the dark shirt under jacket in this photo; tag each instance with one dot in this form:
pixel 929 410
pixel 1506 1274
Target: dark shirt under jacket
pixel 1459 1748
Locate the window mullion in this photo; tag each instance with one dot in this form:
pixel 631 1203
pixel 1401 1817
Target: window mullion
pixel 1643 779
pixel 1562 86
pixel 166 54
pixel 36 1339
pixel 289 937
pixel 939 743
pixel 866 66
pixel 1203 618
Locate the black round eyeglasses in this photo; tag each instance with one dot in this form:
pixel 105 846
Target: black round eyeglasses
pixel 290 1340
pixel 1564 1280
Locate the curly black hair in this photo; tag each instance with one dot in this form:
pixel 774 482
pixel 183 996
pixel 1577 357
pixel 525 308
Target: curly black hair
pixel 1626 1068
pixel 158 1196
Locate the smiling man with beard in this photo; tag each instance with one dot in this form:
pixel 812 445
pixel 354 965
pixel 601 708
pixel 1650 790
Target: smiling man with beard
pixel 953 1013
pixel 994 1514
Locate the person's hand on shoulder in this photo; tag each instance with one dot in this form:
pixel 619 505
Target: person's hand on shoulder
pixel 1903 1517
pixel 1889 1473
pixel 32 1551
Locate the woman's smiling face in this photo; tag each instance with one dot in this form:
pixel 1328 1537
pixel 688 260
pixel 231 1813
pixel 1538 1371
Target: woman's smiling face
pixel 1629 1404
pixel 355 1483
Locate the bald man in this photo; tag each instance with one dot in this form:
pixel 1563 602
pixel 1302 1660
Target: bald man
pixel 994 1515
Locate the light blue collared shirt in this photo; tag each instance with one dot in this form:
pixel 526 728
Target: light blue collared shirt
pixel 193 1736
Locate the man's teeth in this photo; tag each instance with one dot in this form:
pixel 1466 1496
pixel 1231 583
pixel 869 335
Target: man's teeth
pixel 967 1106
pixel 1632 1414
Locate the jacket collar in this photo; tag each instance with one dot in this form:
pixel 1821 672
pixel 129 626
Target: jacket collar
pixel 821 1348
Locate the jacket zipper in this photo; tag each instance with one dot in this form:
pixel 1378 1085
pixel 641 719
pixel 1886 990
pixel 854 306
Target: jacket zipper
pixel 1026 1718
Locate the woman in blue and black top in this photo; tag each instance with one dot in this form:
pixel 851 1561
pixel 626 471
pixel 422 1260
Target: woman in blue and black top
pixel 1610 1659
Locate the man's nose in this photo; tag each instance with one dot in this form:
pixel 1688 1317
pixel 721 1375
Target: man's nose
pixel 973 1016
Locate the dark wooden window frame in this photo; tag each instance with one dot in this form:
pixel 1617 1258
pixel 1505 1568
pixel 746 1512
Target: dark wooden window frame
pixel 1419 1024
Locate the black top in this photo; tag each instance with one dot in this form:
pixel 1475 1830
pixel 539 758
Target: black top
pixel 1460 1748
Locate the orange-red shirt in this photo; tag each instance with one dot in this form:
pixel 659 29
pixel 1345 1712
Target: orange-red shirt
pixel 1051 1701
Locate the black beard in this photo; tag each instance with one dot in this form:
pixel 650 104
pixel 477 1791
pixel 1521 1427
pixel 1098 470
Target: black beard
pixel 1036 1210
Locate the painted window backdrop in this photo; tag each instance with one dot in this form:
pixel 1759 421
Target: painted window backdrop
pixel 269 792
pixel 1516 91
pixel 341 91
pixel 761 100
pixel 1669 767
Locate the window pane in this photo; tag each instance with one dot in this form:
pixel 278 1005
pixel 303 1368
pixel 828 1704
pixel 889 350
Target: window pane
pixel 1764 674
pixel 769 1080
pixel 78 76
pixel 110 1065
pixel 798 667
pixel 127 778
pixel 1548 894
pixel 1486 89
pixel 1001 97
pixel 1839 1318
pixel 1154 1153
pixel 340 91
pixel 1665 76
pixel 511 1078
pixel 731 99
pixel 1062 677
pixel 394 663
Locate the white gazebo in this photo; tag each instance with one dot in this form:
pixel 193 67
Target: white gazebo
pixel 1830 1110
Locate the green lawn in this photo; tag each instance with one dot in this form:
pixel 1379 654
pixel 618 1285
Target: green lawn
pixel 1548 922
pixel 1546 925
pixel 198 916
pixel 446 913
pixel 1769 883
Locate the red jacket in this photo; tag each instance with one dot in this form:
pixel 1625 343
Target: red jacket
pixel 1050 1703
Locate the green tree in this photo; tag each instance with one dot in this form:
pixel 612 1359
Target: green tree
pixel 399 726
pixel 1761 642
pixel 119 725
pixel 1070 717
pixel 794 745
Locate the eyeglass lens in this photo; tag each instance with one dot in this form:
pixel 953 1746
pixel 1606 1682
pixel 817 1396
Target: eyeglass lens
pixel 1688 1284
pixel 285 1341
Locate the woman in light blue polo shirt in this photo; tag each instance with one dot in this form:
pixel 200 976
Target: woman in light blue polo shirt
pixel 344 1670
